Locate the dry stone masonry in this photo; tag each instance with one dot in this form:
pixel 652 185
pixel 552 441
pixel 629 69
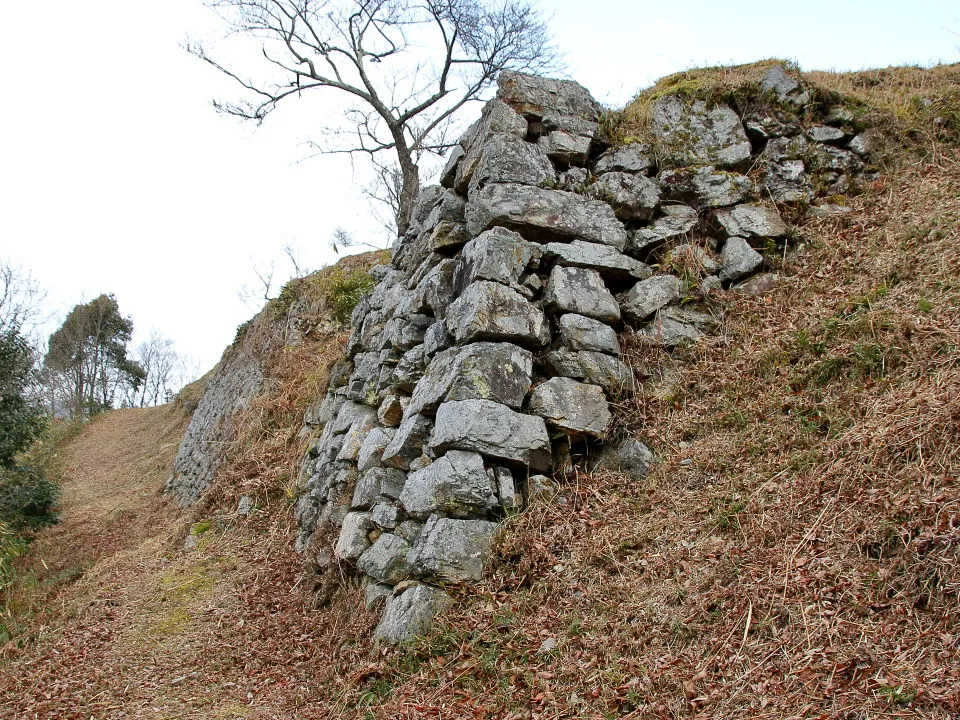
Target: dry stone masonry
pixel 490 348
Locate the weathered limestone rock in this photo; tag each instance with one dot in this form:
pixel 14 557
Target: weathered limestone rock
pixel 608 261
pixel 538 97
pixel 573 180
pixel 456 485
pixel 447 236
pixel 376 484
pixel 867 143
pixel 385 515
pixel 493 430
pixel 596 368
pixel 354 437
pixel 450 550
pixel 582 333
pixel 502 479
pixel 738 259
pixel 630 158
pixel 498 254
pixel 407 444
pixel 507 158
pixel 371 451
pixel 782 84
pixel 484 371
pixel 632 197
pixel 648 296
pixel 390 412
pixel 353 540
pixel 675 326
pixel 541 214
pixel 409 614
pixel 497 117
pixel 581 291
pixel 386 560
pixel 786 148
pixel 572 406
pixel 692 133
pixel 825 157
pixel 826 134
pixel 758 284
pixel 565 148
pixel 489 311
pixel 704 186
pixel 787 182
pixel 630 457
pixel 375 596
pixel 752 221
pixel 678 221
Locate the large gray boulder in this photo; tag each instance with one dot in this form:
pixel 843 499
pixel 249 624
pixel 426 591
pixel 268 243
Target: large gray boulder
pixel 386 560
pixel 752 221
pixel 678 221
pixel 541 214
pixel 705 186
pixel 498 254
pixel 578 332
pixel 690 132
pixel 480 371
pixel 493 430
pixel 738 260
pixel 629 456
pixel 580 291
pixel 489 311
pixel 566 148
pixel 371 451
pixel 452 551
pixel 632 197
pixel 608 261
pixel 539 98
pixel 648 296
pixel 456 485
pixel 510 159
pixel 496 117
pixel 409 614
pixel 572 406
pixel 631 158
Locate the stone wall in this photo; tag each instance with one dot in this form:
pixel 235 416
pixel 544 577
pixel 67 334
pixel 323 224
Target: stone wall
pixel 489 350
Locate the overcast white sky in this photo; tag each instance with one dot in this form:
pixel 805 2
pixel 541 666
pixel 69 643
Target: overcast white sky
pixel 119 177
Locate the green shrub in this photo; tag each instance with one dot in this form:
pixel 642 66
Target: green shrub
pixel 28 499
pixel 344 289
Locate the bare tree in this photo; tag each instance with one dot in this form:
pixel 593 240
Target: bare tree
pixel 408 66
pixel 20 298
pixel 163 371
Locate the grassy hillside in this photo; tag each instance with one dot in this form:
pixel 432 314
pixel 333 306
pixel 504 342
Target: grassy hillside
pixel 794 553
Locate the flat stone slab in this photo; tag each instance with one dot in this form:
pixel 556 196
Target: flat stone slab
pixel 480 371
pixel 675 326
pixel 608 261
pixel 678 221
pixel 353 540
pixel 572 406
pixel 541 214
pixel 539 97
pixel 596 368
pixel 409 614
pixel 407 443
pixel 456 485
pixel 581 291
pixel 452 551
pixel 493 430
pixel 490 311
pixel 705 186
pixel 752 221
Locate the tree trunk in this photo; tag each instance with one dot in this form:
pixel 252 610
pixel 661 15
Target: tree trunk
pixel 411 180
